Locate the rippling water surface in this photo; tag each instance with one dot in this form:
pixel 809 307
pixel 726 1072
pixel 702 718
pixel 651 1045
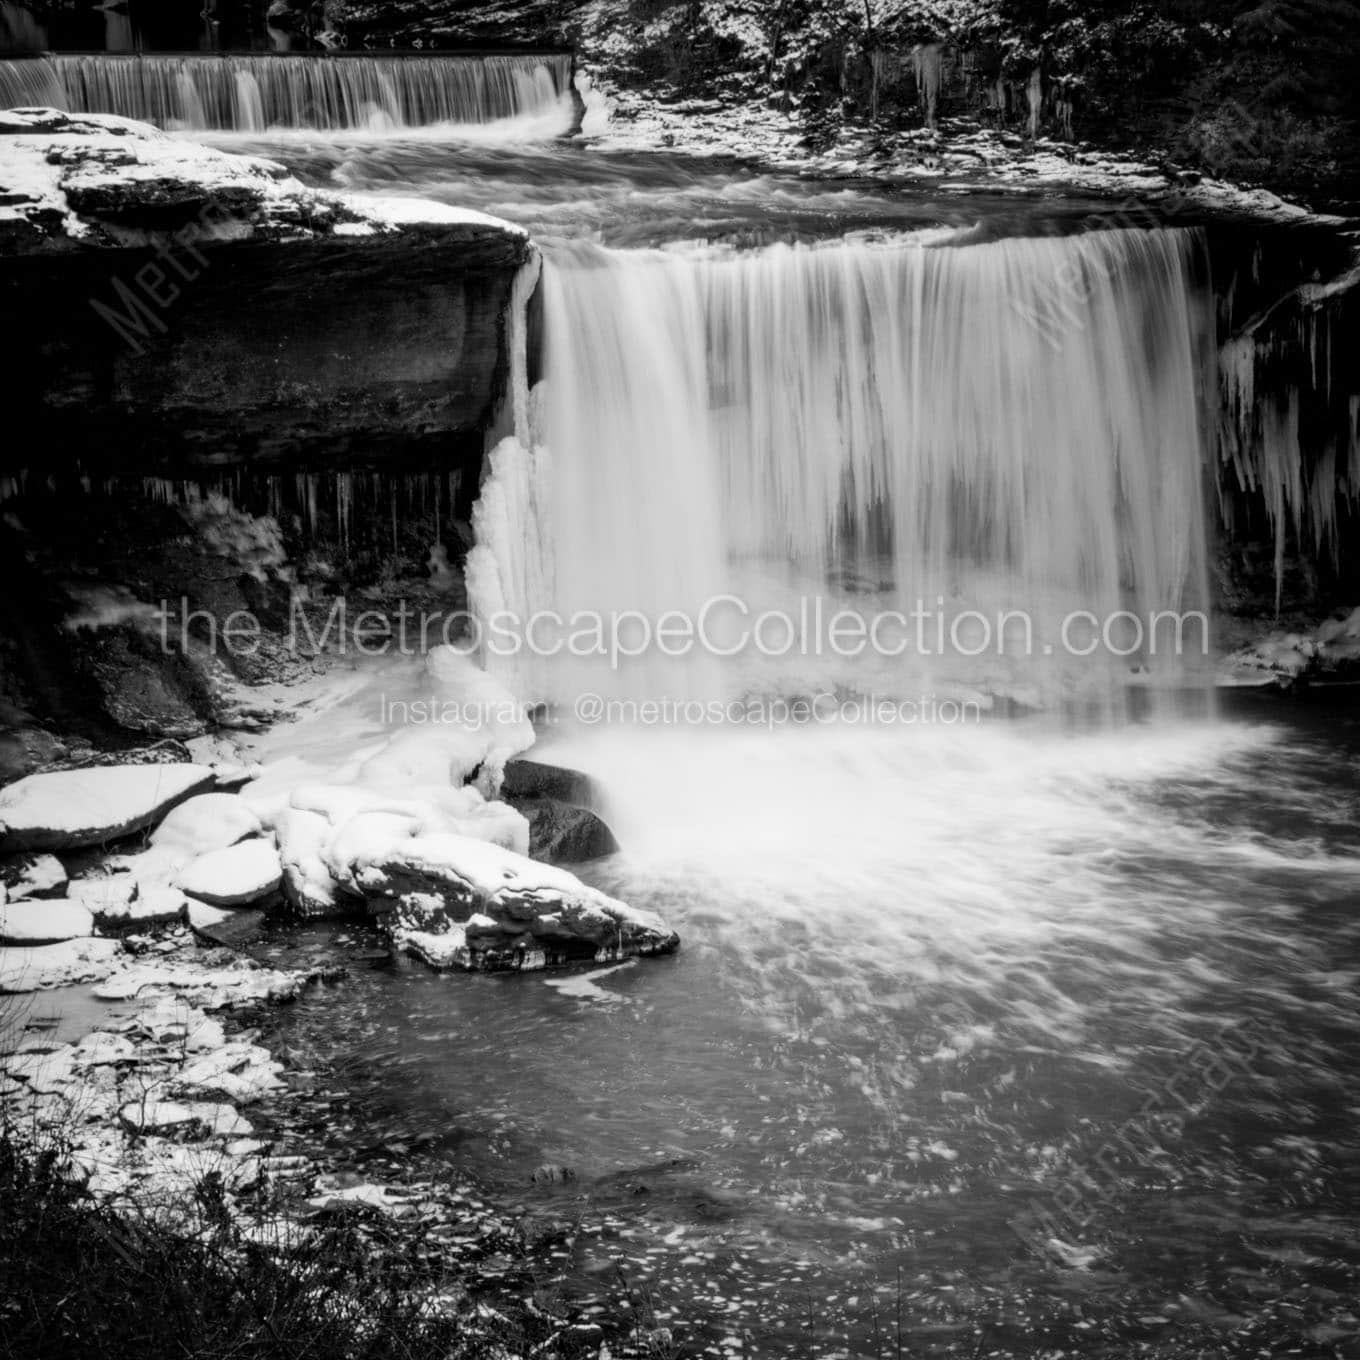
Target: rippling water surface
pixel 1049 1039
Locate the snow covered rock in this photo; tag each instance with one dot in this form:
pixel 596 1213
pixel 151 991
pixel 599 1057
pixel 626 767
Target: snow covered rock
pixel 151 905
pixel 107 896
pixel 239 1071
pixel 191 1121
pixel 493 727
pixel 38 923
pixel 65 809
pixel 209 987
pixel 210 821
pixel 234 877
pixel 29 876
pixel 102 1049
pixel 303 837
pixel 56 965
pixel 500 909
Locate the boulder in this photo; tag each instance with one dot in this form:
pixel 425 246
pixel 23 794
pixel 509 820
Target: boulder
pixel 234 877
pixel 149 905
pixel 498 909
pixel 30 876
pixel 38 923
pixel 25 749
pixel 210 821
pixel 107 896
pixel 562 833
pixel 64 809
pixel 229 927
pixel 57 965
pixel 307 885
pixel 563 809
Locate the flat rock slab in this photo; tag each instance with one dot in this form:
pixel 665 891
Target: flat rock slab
pixel 230 927
pixel 38 923
pixel 189 1120
pixel 149 906
pixel 234 877
pixel 66 809
pixel 57 965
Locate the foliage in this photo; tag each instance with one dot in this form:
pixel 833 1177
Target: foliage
pixel 81 1279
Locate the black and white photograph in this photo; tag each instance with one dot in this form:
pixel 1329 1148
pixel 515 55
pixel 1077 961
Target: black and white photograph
pixel 680 680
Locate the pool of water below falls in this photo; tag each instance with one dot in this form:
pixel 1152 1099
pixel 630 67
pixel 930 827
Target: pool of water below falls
pixel 1044 1042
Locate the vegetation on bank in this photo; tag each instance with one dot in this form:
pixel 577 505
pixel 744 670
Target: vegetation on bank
pixel 1260 91
pixel 82 1278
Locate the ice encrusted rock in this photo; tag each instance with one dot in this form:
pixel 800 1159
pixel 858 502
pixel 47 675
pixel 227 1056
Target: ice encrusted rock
pixel 56 965
pixel 498 909
pixel 234 877
pixel 44 922
pixel 66 809
pixel 303 837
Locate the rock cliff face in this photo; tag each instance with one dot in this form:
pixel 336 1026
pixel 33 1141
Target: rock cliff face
pixel 184 308
pixel 240 388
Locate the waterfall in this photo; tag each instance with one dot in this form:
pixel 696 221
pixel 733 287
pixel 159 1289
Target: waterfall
pixel 1010 426
pixel 253 93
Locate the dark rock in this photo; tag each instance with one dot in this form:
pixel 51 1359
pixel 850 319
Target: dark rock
pixel 562 806
pixel 560 833
pixel 27 749
pixel 547 1174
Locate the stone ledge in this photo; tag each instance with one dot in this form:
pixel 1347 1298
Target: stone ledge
pixel 89 181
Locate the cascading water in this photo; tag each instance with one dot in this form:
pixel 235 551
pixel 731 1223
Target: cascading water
pixel 253 93
pixel 1007 428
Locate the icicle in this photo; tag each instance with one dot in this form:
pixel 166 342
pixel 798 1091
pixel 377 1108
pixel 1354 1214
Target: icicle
pixel 927 66
pixel 344 492
pixel 1035 93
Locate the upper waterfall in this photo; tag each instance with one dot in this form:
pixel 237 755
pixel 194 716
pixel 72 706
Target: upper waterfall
pixel 1011 431
pixel 257 92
